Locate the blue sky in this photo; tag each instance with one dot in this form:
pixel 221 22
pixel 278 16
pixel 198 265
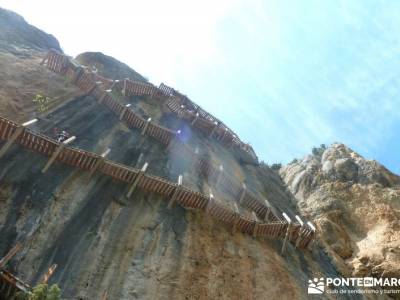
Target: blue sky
pixel 285 75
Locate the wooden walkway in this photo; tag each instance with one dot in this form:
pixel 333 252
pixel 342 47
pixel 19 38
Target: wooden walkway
pixel 176 102
pixel 89 82
pixel 88 161
pixel 186 109
pixel 86 80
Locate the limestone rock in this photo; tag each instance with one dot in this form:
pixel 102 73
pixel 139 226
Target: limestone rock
pixel 355 203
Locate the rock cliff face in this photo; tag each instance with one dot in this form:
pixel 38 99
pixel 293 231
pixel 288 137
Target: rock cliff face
pixel 356 205
pixel 21 38
pixel 109 66
pixel 137 248
pixel 21 50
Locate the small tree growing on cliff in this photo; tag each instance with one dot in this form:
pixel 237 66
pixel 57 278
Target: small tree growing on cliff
pixel 41 292
pixel 276 167
pixel 318 151
pixel 42 103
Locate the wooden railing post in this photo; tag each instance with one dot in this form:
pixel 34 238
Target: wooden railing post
pixel 136 180
pixel 175 194
pixel 18 131
pixel 289 222
pixel 57 152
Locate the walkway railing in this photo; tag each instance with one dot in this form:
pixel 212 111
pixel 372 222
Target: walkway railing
pixel 86 80
pixel 88 161
pixel 177 102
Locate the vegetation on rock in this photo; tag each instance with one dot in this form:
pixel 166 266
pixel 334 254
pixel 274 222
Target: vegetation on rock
pixel 41 292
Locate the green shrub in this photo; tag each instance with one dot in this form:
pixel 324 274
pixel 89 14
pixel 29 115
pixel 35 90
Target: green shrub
pixel 276 167
pixel 41 292
pixel 318 151
pixel 42 103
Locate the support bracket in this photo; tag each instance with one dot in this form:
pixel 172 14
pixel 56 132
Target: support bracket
pixel 145 126
pixel 243 194
pixel 99 162
pixel 176 192
pixel 288 230
pixel 136 180
pixel 10 255
pixel 18 131
pixel 57 152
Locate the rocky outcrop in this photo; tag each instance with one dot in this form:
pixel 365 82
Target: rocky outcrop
pixel 22 47
pixel 356 205
pixel 109 66
pixel 19 37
